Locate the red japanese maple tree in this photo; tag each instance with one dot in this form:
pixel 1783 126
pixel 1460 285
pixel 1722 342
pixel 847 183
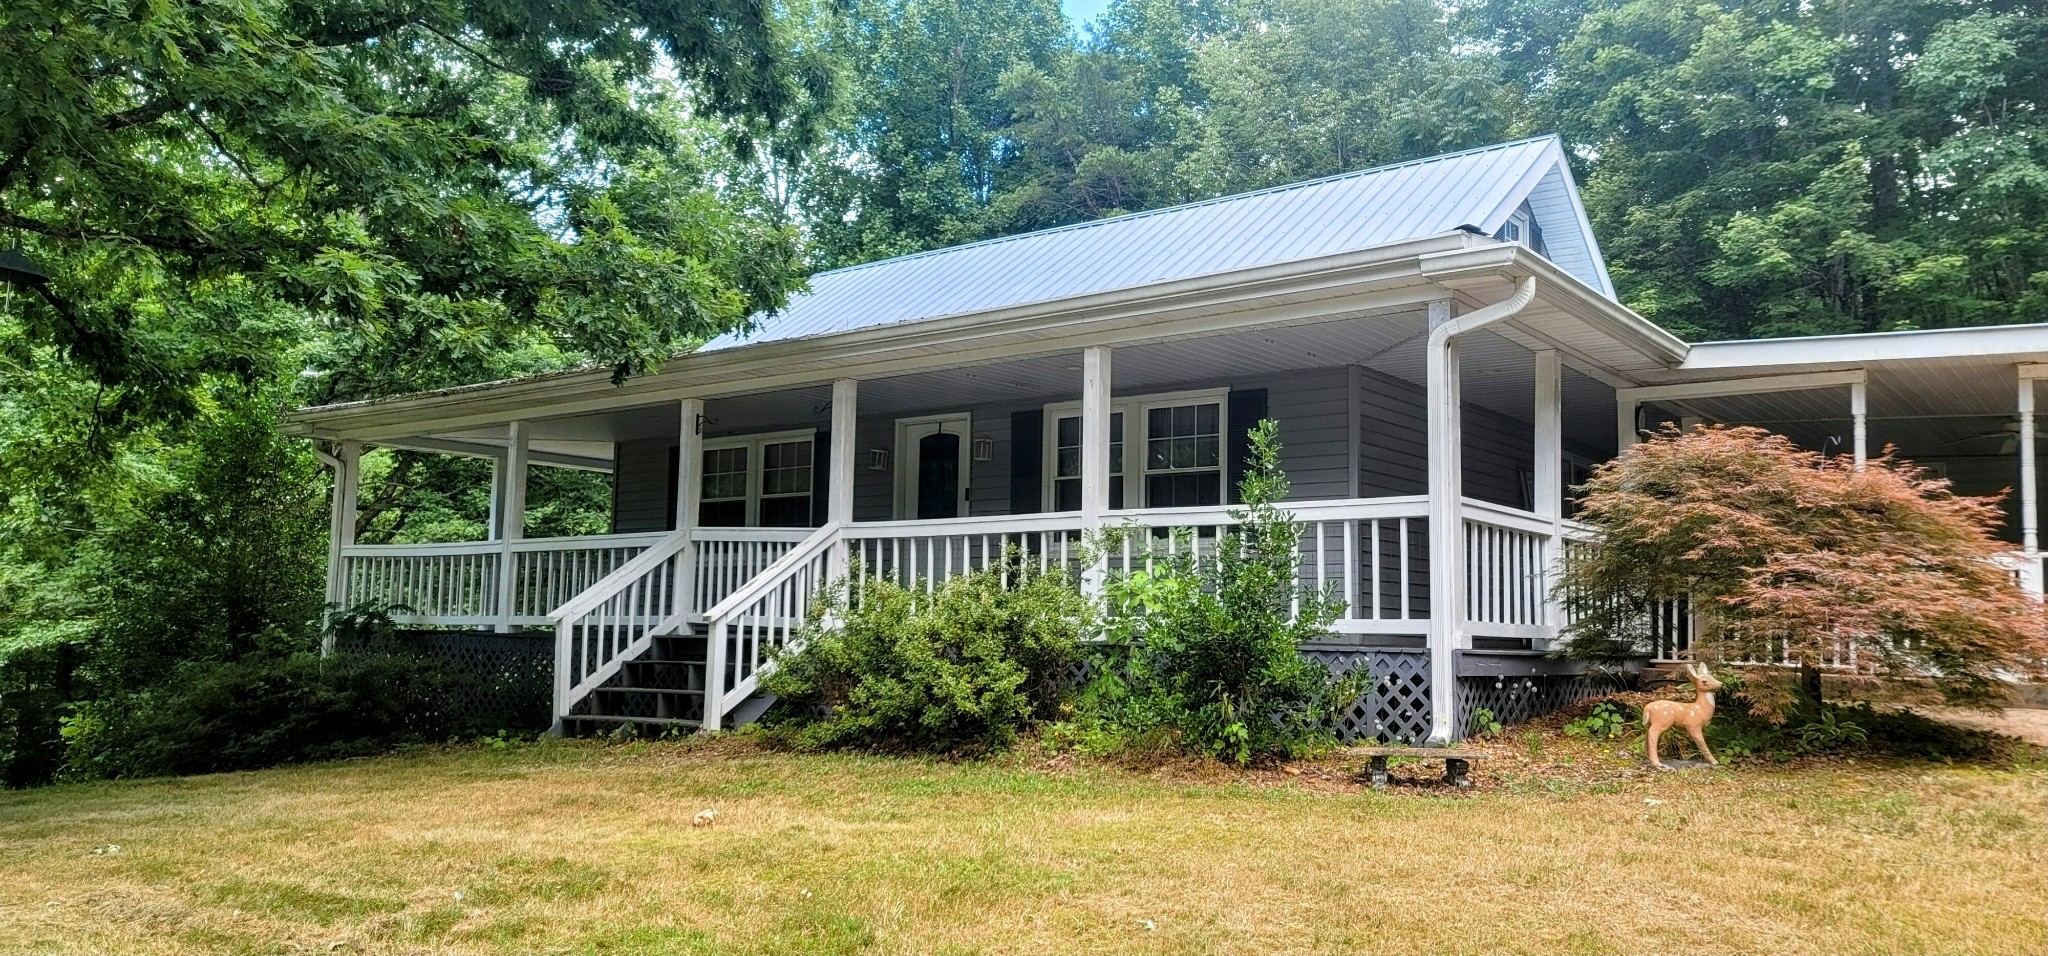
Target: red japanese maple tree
pixel 1876 574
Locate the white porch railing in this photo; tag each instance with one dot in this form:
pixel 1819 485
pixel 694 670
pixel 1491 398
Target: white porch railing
pixel 615 620
pixel 760 617
pixel 1372 551
pixel 755 587
pixel 1510 564
pixel 458 584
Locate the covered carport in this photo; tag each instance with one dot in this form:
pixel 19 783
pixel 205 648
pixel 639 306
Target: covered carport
pixel 1959 402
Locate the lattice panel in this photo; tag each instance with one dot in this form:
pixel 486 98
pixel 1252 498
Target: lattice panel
pixel 1516 699
pixel 494 680
pixel 1396 710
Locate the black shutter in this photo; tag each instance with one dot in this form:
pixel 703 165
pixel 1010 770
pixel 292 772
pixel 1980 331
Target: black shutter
pixel 675 482
pixel 615 492
pixel 1247 408
pixel 821 472
pixel 1027 477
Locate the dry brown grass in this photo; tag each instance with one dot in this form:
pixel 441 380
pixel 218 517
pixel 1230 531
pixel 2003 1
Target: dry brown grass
pixel 588 849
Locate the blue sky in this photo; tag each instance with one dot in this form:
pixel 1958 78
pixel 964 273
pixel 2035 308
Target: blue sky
pixel 1082 11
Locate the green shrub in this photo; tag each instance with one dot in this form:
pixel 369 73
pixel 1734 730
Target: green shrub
pixel 1211 649
pixel 1851 729
pixel 1483 723
pixel 966 666
pixel 1607 721
pixel 279 703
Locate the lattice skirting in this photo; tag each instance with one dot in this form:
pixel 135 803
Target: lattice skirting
pixel 1516 699
pixel 494 680
pixel 1396 709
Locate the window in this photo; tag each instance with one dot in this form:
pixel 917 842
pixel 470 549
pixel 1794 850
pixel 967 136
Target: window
pixel 1183 455
pixel 1066 479
pixel 759 481
pixel 786 484
pixel 1181 436
pixel 725 488
pixel 1516 229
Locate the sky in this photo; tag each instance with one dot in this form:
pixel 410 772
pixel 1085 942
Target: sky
pixel 1082 11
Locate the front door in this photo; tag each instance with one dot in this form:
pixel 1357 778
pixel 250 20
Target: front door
pixel 931 471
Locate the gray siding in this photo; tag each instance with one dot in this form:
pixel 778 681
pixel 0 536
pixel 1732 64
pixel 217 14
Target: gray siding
pixel 1312 407
pixel 1393 451
pixel 640 492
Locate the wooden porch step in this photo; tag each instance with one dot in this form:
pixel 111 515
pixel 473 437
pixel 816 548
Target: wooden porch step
pixel 650 690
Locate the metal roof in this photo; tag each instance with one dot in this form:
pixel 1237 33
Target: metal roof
pixel 1476 189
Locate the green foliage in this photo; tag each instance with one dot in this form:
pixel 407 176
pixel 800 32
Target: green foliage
pixel 1785 553
pixel 1857 729
pixel 278 703
pixel 1483 724
pixel 1211 649
pixel 964 667
pixel 1823 167
pixel 1831 731
pixel 1607 721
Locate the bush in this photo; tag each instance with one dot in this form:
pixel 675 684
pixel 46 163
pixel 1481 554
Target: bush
pixel 279 703
pixel 1787 554
pixel 967 666
pixel 1607 721
pixel 1212 649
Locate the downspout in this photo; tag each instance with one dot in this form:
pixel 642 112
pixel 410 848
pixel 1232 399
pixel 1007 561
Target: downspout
pixel 1446 500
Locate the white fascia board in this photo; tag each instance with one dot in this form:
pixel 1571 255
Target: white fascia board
pixel 1739 386
pixel 1587 304
pixel 2019 342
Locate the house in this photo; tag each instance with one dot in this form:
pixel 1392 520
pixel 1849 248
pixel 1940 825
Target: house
pixel 1439 341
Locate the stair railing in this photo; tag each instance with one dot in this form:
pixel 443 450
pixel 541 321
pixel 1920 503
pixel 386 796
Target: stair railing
pixel 616 619
pixel 762 616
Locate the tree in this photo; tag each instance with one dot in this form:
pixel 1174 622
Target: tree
pixel 1779 169
pixel 1880 574
pixel 426 189
pixel 1315 88
pixel 918 147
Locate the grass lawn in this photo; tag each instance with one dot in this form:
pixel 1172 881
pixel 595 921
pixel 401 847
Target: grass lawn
pixel 587 848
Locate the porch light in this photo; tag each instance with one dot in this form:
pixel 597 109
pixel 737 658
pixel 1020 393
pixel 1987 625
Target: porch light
pixel 984 449
pixel 878 459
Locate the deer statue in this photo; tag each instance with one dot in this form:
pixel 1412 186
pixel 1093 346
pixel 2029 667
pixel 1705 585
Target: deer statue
pixel 1660 715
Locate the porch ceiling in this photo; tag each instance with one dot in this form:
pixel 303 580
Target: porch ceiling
pixel 1498 374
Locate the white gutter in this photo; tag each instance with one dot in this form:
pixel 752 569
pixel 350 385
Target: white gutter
pixel 1446 498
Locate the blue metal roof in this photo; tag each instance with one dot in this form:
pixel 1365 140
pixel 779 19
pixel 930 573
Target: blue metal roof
pixel 1478 188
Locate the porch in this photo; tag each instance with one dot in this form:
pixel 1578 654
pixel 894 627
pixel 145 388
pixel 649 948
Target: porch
pixel 1430 429
pixel 1412 457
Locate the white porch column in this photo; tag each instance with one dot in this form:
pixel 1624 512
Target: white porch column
pixel 1625 436
pixel 689 495
pixel 2030 505
pixel 341 527
pixel 494 525
pixel 1859 409
pixel 1095 399
pixel 839 494
pixel 1446 519
pixel 1548 486
pixel 511 518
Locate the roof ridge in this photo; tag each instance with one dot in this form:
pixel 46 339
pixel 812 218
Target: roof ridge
pixel 1264 191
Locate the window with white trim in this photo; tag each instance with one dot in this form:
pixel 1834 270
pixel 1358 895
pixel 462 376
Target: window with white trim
pixel 1180 461
pixel 1184 455
pixel 757 481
